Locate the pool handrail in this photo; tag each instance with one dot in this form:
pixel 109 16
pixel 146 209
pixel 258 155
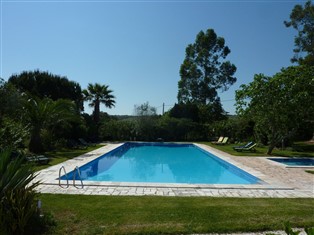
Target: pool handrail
pixel 66 175
pixel 77 169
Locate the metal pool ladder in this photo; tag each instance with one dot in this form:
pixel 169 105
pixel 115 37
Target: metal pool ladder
pixel 75 171
pixel 66 175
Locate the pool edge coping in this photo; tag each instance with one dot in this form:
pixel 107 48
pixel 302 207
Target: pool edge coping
pixel 288 166
pixel 49 176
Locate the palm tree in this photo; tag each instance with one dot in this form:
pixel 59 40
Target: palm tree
pixel 98 94
pixel 39 114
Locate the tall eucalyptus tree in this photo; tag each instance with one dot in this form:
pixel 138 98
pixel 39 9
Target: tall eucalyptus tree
pixel 302 19
pixel 205 70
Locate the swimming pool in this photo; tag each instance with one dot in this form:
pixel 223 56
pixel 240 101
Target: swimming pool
pixel 163 163
pixel 294 161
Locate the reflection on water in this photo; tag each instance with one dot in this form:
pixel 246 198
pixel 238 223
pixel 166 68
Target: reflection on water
pixel 163 164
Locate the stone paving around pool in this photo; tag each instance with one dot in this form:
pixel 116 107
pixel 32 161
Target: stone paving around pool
pixel 278 181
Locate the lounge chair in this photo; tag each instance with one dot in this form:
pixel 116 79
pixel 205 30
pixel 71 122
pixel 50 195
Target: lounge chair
pixel 244 146
pixel 250 148
pixel 218 141
pixel 75 145
pixel 224 141
pixel 40 159
pixel 85 143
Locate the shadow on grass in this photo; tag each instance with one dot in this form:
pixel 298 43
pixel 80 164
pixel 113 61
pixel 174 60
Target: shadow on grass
pixel 298 149
pixel 303 147
pixel 63 155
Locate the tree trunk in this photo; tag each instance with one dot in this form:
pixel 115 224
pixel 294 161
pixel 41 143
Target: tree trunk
pixel 35 144
pixel 270 149
pixel 96 111
pixel 96 118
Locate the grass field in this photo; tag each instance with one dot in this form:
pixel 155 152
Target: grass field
pixel 81 214
pixel 78 214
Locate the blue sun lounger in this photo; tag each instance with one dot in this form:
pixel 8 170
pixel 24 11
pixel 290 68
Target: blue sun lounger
pixel 251 148
pixel 244 146
pixel 41 159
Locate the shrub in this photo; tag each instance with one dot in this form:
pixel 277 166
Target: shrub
pixel 12 133
pixel 18 205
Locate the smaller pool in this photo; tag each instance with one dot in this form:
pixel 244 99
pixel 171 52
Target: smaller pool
pixel 294 161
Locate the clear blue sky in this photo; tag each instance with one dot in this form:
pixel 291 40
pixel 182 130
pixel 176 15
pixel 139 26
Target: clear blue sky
pixel 137 47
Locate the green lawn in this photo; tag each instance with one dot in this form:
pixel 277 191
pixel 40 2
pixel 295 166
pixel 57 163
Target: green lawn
pixel 299 149
pixel 62 155
pixel 78 214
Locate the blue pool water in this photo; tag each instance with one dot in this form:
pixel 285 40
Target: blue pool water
pixel 294 161
pixel 163 163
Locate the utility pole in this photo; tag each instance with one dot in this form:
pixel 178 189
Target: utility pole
pixel 163 108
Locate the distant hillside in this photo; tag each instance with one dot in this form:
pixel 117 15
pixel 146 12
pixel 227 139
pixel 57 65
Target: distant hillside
pixel 121 117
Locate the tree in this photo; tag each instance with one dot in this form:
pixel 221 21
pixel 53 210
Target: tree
pixel 237 128
pixel 12 133
pixel 211 112
pixel 199 113
pixel 145 110
pixel 177 129
pixel 188 111
pixel 146 121
pixel 40 114
pixel 47 85
pixel 98 94
pixel 280 103
pixel 205 70
pixel 302 19
pixel 118 130
pixel 10 100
